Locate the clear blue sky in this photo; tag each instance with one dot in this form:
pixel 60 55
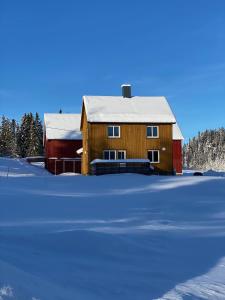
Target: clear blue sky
pixel 54 51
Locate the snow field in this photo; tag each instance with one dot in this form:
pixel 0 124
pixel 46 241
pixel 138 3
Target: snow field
pixel 110 237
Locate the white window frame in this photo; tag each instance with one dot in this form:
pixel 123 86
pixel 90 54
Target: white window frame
pixel 152 136
pixel 113 136
pixel 109 154
pixel 116 154
pixel 125 154
pixel 153 150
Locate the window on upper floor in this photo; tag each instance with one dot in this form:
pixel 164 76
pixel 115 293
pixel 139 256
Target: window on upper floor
pixel 113 131
pixel 152 131
pixel 153 156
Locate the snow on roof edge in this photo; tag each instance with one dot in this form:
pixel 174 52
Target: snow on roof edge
pixel 177 134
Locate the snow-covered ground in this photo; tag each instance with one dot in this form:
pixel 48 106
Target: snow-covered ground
pixel 110 237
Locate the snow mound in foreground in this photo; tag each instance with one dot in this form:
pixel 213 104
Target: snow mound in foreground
pixel 111 237
pixel 214 173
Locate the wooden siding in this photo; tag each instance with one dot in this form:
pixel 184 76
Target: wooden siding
pixel 133 139
pixel 177 156
pixel 58 166
pixel 62 148
pixel 85 156
pixel 59 149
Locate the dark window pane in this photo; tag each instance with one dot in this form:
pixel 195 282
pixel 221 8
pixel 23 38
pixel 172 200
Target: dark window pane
pixel 155 131
pixel 116 131
pixel 149 131
pixel 112 155
pixel 110 131
pixel 150 155
pixel 121 155
pixel 156 156
pixel 106 154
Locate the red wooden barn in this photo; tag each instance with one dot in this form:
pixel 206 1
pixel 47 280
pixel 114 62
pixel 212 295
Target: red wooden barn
pixel 177 149
pixel 62 139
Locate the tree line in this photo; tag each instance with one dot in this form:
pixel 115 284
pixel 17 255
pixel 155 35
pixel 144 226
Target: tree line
pixel 206 151
pixel 25 138
pixel 21 139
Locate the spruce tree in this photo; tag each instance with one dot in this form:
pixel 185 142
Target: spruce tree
pixel 24 134
pixel 21 140
pixel 33 149
pixel 206 151
pixel 7 138
pixel 39 132
pixel 14 140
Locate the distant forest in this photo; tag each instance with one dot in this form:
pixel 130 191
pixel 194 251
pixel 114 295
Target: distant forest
pixel 206 151
pixel 21 139
pixel 25 138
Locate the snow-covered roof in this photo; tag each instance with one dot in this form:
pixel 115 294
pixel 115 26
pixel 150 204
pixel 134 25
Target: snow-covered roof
pixel 129 110
pixel 62 126
pixel 177 135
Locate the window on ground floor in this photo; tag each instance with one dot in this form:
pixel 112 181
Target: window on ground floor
pixel 121 154
pixel 114 154
pixel 153 156
pixel 109 154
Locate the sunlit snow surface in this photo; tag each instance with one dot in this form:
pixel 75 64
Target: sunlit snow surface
pixel 110 237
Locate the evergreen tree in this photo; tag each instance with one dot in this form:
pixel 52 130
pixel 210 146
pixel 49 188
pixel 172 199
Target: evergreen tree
pixel 39 132
pixel 24 139
pixel 24 134
pixel 33 149
pixel 14 141
pixel 206 151
pixel 18 150
pixel 7 138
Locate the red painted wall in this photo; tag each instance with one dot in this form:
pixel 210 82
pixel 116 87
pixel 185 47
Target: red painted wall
pixel 58 166
pixel 62 149
pixel 177 156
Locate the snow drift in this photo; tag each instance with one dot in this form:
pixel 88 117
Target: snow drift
pixel 110 237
